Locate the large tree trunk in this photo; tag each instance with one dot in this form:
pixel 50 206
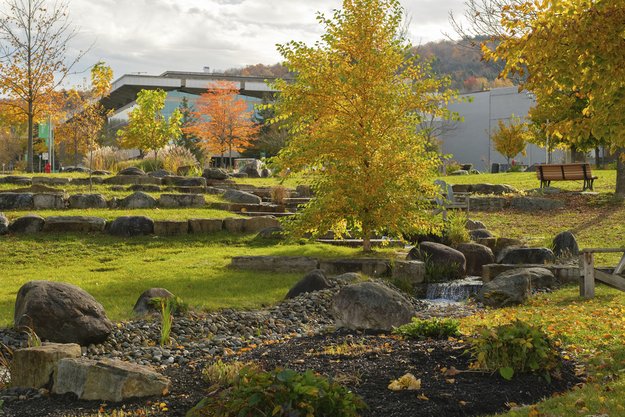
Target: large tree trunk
pixel 620 172
pixel 29 154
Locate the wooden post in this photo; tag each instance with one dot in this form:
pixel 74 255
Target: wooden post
pixel 587 283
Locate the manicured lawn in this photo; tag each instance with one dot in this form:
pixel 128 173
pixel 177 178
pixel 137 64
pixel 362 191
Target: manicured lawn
pixel 116 270
pixel 154 214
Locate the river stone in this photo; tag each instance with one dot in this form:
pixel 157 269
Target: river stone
pixel 371 306
pixel 77 224
pixel 215 174
pixel 107 380
pixel 506 289
pixel 565 245
pixel 87 201
pixel 16 201
pixel 256 224
pixel 4 224
pixel 526 256
pixel 441 257
pixel 171 227
pixel 61 312
pixel 131 171
pixel 477 256
pixel 137 200
pixel 205 225
pixel 476 234
pixel 315 280
pixel 242 197
pixel 33 367
pixel 143 305
pixel 131 226
pixel 31 223
pixel 181 200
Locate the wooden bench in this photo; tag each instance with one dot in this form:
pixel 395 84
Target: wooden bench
pixel 565 172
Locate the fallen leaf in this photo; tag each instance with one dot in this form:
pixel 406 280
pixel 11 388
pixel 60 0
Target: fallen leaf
pixel 406 382
pixel 452 372
pixel 423 397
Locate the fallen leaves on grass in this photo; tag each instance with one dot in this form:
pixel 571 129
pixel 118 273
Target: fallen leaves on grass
pixel 407 382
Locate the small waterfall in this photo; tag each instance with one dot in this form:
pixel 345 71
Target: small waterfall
pixel 457 290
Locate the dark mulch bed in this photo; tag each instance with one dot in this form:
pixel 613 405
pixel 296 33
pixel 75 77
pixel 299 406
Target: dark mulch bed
pixel 366 367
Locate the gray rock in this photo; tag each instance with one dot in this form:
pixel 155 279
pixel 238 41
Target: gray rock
pixel 477 256
pixel 256 224
pixel 459 172
pixel 132 179
pixel 87 181
pixel 265 173
pixel 4 224
pixel 48 201
pixel 33 367
pixel 131 171
pixel 137 200
pixel 16 201
pixel 476 234
pixel 275 263
pixel 181 200
pixel 143 305
pixel 408 273
pixel 51 180
pixel 276 232
pixel 474 224
pixel 348 277
pixel 146 188
pixel 368 266
pixel 107 380
pixel 540 278
pixel 242 197
pixel 27 224
pixel 131 226
pixel 215 174
pixel 60 312
pixel 313 281
pixel 514 255
pixel 253 169
pixel 239 175
pixel 371 306
pixel 171 227
pixel 185 181
pixel 507 289
pixel 15 179
pixel 565 245
pixel 76 224
pixel 101 172
pixel 160 173
pixel 234 225
pixel 205 225
pixel 497 189
pixel 87 201
pixel 535 204
pixel 442 258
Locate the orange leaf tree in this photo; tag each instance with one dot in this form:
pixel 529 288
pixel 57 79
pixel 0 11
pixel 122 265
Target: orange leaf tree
pixel 223 121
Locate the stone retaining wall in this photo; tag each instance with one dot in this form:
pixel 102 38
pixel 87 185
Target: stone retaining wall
pixel 563 273
pixel 517 203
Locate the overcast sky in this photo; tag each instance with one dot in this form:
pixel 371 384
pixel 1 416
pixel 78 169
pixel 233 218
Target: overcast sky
pixel 152 36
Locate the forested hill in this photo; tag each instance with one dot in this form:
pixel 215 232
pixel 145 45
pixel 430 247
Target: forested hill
pixel 460 61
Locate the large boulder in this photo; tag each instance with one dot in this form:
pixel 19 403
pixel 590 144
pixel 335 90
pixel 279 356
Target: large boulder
pixel 76 224
pixel 132 179
pixel 4 224
pixel 137 200
pixel 131 226
pixel 315 280
pixel 565 245
pixel 514 255
pixel 146 188
pixel 205 225
pixel 30 223
pixel 371 306
pixel 241 197
pixel 442 258
pixel 87 201
pixel 33 367
pixel 87 181
pixel 474 224
pixel 477 256
pixel 407 274
pixel 60 312
pixel 48 201
pixel 181 200
pixel 16 201
pixel 476 234
pixel 171 227
pixel 16 179
pixel 144 304
pixel 185 181
pixel 131 171
pixel 507 289
pixel 160 173
pixel 107 380
pixel 540 278
pixel 253 169
pixel 256 224
pixel 497 189
pixel 215 174
pixel 234 224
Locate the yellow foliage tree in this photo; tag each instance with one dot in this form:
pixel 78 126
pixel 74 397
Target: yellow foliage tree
pixel 510 139
pixel 571 54
pixel 353 111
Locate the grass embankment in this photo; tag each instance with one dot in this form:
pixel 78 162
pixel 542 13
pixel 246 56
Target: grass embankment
pixel 115 270
pixel 111 214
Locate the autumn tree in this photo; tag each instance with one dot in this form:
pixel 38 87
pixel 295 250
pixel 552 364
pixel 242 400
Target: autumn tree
pixel 188 140
pixel 510 139
pixel 34 38
pixel 574 49
pixel 353 111
pixel 223 121
pixel 148 129
pixel 272 137
pixel 12 135
pixel 85 116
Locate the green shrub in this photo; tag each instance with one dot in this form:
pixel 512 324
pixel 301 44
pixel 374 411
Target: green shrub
pixel 280 393
pixel 455 230
pixel 452 166
pixel 224 374
pixel 514 347
pixel 434 328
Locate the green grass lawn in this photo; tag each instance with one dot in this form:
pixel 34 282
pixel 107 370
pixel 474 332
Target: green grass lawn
pixel 111 214
pixel 117 270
